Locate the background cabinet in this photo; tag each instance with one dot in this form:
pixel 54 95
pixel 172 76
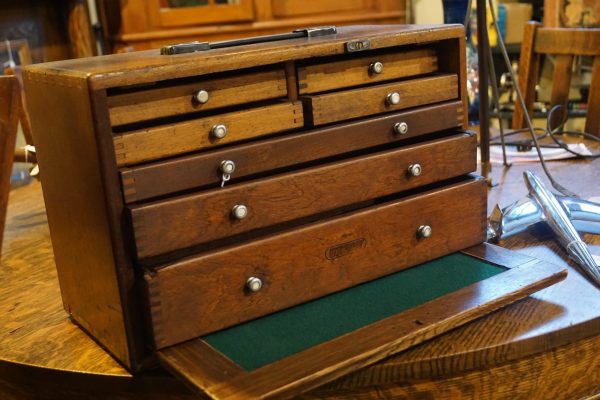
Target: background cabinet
pixel 143 24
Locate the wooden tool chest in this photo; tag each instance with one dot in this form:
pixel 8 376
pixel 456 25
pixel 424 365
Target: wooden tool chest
pixel 187 193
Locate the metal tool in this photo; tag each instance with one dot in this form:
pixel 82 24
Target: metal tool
pixel 564 215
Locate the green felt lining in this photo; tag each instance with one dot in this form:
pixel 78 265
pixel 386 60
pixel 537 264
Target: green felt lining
pixel 267 339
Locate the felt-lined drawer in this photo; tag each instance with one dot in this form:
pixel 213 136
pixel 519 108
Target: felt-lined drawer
pixel 364 70
pixel 184 137
pixel 189 97
pixel 225 287
pixel 336 106
pixel 197 170
pixel 214 214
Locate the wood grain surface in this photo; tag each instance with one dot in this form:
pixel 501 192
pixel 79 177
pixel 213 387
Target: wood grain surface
pixel 506 355
pixel 177 99
pixel 331 107
pixel 273 154
pixel 180 222
pixel 319 77
pixel 172 139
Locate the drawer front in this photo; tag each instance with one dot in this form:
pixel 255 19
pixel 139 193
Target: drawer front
pixel 210 215
pixel 208 293
pixel 332 107
pixel 181 99
pixel 184 173
pixel 369 69
pixel 168 140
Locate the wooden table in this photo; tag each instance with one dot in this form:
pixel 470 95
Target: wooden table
pixel 546 346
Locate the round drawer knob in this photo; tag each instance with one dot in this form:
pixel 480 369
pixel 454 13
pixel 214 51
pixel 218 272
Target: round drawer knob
pixel 393 98
pixel 239 211
pixel 401 128
pixel 415 169
pixel 424 231
pixel 201 96
pixel 376 67
pixel 227 167
pixel 254 284
pixel 218 131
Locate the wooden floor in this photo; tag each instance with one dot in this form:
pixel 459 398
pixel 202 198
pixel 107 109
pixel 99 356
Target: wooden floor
pixel 547 346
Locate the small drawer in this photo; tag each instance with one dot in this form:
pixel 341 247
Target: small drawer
pixel 203 169
pixel 364 70
pixel 331 107
pixel 184 137
pixel 224 212
pixel 218 289
pixel 147 104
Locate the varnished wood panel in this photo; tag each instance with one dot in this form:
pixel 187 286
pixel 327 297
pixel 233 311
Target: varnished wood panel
pixel 353 72
pixel 139 182
pixel 172 139
pixel 207 215
pixel 177 99
pixel 354 103
pixel 378 240
pixel 291 8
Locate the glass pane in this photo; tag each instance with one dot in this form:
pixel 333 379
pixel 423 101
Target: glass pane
pixel 227 1
pixel 186 3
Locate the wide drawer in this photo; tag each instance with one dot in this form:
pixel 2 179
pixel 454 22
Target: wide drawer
pixel 172 139
pixel 176 99
pixel 183 173
pixel 331 107
pixel 204 294
pixel 364 70
pixel 174 224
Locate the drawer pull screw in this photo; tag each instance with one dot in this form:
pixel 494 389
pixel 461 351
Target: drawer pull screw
pixel 201 97
pixel 239 211
pixel 401 128
pixel 415 169
pixel 254 284
pixel 218 131
pixel 393 98
pixel 424 231
pixel 376 67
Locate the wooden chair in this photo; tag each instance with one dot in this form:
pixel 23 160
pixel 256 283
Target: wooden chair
pixel 564 43
pixel 10 105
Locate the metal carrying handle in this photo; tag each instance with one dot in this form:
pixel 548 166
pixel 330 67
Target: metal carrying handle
pixel 191 47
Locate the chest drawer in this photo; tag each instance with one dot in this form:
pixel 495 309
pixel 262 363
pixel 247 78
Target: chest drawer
pixel 169 225
pixel 172 139
pixel 206 94
pixel 183 173
pixel 203 294
pixel 364 70
pixel 331 107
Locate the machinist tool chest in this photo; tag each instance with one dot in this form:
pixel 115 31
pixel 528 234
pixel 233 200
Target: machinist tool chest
pixel 207 185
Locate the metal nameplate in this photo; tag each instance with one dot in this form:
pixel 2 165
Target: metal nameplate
pixel 358 45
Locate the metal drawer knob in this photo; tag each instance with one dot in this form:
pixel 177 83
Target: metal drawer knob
pixel 376 67
pixel 227 167
pixel 254 284
pixel 393 98
pixel 415 169
pixel 239 211
pixel 424 231
pixel 218 131
pixel 401 128
pixel 201 96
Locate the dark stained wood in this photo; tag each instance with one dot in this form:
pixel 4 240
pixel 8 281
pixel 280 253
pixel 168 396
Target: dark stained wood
pixel 172 139
pixel 150 66
pixel 529 65
pixel 592 123
pixel 10 107
pixel 158 226
pixel 319 77
pixel 336 106
pixel 178 99
pixel 561 82
pixel 324 362
pixel 139 182
pixel 573 41
pixel 186 299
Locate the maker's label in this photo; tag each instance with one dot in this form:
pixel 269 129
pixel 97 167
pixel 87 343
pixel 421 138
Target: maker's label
pixel 343 249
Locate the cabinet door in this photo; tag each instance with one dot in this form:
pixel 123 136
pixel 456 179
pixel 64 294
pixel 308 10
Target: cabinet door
pixel 172 13
pixel 292 8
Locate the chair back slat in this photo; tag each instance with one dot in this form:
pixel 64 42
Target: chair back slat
pixel 561 83
pixel 592 123
pixel 572 41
